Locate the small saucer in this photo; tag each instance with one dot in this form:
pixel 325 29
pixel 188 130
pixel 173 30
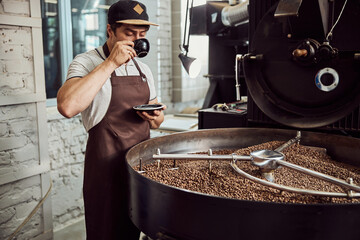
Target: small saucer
pixel 148 107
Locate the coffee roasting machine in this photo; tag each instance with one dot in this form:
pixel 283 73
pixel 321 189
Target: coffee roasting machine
pixel 298 63
pixel 301 69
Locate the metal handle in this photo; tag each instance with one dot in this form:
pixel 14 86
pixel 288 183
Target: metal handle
pixel 239 57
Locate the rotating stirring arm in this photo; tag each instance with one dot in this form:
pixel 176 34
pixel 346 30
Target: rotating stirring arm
pixel 292 189
pixel 290 142
pixel 268 161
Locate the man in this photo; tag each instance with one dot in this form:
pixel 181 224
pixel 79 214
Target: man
pixel 104 84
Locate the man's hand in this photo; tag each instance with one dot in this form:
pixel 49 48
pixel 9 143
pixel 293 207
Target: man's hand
pixel 122 52
pixel 149 115
pixel 155 117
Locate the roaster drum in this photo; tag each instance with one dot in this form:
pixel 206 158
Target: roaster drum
pixel 162 211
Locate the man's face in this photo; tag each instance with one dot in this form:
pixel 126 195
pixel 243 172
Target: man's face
pixel 129 32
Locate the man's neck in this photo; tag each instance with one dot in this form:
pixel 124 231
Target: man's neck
pixel 109 44
pixel 106 49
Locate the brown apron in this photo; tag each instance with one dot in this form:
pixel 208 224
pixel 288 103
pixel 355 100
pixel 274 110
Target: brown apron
pixel 105 183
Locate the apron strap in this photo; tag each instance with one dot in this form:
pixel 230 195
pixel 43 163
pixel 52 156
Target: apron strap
pixel 143 76
pixel 106 50
pixel 107 53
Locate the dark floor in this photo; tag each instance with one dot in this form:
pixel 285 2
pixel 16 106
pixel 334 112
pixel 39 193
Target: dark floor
pixel 76 231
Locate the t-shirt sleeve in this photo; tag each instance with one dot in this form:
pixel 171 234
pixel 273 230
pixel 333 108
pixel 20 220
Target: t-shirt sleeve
pixel 80 67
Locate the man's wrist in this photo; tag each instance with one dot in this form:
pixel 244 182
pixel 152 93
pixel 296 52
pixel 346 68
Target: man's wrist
pixel 111 64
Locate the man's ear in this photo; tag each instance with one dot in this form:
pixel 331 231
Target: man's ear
pixel 109 30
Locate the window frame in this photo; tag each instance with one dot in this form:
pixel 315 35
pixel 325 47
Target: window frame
pixel 66 46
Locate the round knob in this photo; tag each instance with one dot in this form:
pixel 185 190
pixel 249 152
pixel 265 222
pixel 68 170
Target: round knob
pixel 327 79
pixel 300 53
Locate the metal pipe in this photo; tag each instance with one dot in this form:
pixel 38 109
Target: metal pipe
pixel 239 57
pixel 290 142
pixel 232 2
pixel 234 15
pixel 200 157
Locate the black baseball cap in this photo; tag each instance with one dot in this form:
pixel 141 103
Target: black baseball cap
pixel 129 12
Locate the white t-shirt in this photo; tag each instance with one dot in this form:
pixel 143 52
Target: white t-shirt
pixel 84 63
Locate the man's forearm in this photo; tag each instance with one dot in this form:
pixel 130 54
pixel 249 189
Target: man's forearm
pixel 77 94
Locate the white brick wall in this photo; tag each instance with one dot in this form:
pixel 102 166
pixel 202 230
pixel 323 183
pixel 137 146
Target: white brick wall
pixel 19 141
pixel 67 142
pixel 21 148
pixel 16 60
pixel 15 7
pixel 165 45
pixel 17 200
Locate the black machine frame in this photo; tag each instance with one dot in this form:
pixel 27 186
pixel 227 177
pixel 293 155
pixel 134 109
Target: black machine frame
pixel 255 116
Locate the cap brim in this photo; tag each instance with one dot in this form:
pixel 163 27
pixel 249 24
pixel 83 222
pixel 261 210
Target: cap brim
pixel 137 22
